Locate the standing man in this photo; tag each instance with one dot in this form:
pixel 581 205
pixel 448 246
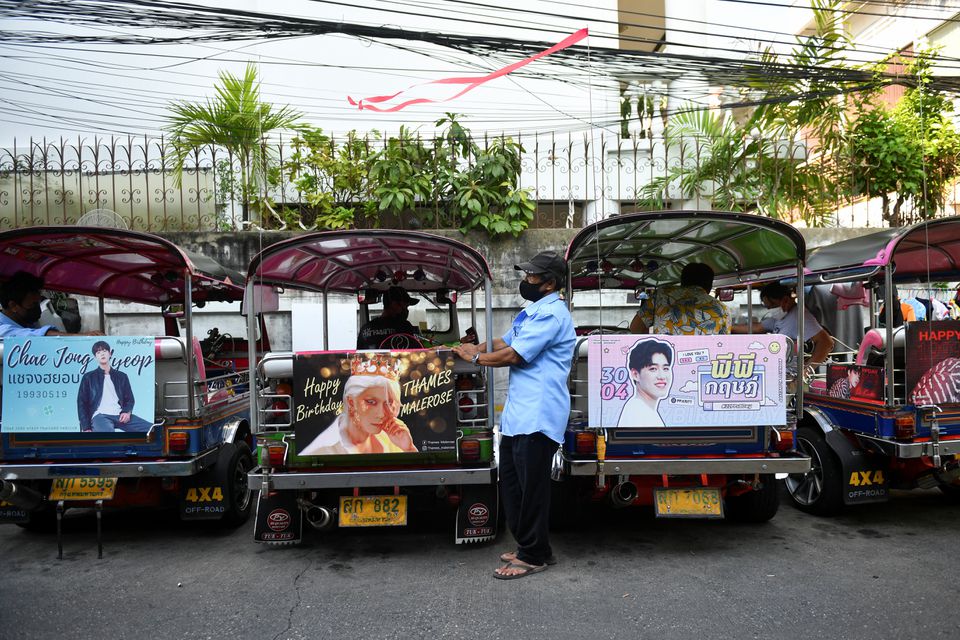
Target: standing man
pixel 392 322
pixel 685 310
pixel 105 399
pixel 20 298
pixel 538 348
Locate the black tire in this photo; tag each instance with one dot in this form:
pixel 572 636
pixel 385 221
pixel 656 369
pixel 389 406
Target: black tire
pixel 820 490
pixel 239 497
pixel 759 505
pixel 43 520
pixel 950 491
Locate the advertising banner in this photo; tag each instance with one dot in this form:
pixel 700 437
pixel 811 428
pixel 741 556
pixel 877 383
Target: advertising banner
pixel 689 381
pixel 78 384
pixel 933 362
pixel 348 402
pixel 854 382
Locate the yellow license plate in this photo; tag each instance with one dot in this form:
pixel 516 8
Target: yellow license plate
pixel 373 511
pixel 83 488
pixel 688 503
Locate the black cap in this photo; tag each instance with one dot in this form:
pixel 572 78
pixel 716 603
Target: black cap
pixel 546 263
pixel 398 294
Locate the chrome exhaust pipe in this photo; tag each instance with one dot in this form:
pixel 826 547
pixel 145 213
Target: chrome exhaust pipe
pixel 319 518
pixel 20 495
pixel 623 494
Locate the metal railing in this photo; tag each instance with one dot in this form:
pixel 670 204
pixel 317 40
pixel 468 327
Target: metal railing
pixel 574 178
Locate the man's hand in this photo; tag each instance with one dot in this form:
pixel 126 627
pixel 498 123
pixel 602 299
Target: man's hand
pixel 467 351
pixel 125 417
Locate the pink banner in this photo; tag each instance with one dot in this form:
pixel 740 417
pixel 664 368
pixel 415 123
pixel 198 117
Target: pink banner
pixel 470 83
pixel 687 381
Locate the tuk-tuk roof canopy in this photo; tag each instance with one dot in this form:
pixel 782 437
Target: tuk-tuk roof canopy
pixel 930 247
pixel 116 264
pixel 350 260
pixel 651 248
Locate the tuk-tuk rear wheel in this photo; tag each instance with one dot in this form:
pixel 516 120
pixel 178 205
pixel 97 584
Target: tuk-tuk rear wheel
pixel 818 491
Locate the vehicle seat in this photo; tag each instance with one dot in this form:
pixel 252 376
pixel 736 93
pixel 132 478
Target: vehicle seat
pixel 579 409
pixel 171 375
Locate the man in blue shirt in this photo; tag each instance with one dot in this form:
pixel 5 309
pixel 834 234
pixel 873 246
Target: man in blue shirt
pixel 20 298
pixel 538 348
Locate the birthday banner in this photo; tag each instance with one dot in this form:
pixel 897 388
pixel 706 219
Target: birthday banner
pixel 687 381
pixel 374 402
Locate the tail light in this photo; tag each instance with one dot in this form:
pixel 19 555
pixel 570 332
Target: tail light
pixel 785 440
pixel 585 442
pixel 469 450
pixel 276 454
pixel 178 440
pixel 906 427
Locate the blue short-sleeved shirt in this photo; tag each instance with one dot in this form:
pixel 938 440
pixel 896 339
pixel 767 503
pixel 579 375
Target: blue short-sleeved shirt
pixel 537 396
pixel 10 328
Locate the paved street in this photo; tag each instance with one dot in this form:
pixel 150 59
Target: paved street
pixel 882 571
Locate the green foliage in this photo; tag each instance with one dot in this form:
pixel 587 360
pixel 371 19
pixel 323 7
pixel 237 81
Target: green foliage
pixel 236 120
pixel 907 156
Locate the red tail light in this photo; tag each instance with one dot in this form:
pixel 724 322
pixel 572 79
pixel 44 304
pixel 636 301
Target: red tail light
pixel 276 454
pixel 178 440
pixel 585 442
pixel 906 427
pixel 469 451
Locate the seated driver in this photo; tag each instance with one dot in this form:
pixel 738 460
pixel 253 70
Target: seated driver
pixel 392 321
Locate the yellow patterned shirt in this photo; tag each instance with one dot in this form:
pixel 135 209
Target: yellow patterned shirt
pixel 684 311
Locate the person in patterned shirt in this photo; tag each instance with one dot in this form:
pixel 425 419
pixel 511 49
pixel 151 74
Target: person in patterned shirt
pixel 684 310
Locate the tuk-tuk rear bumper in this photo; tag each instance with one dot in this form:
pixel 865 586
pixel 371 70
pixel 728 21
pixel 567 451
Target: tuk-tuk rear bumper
pixel 905 450
pixel 689 466
pixel 350 479
pixel 132 469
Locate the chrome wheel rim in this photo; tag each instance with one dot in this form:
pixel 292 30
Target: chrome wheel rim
pixel 806 488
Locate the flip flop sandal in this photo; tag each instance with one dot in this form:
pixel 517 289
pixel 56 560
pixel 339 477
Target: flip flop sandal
pixel 511 556
pixel 525 570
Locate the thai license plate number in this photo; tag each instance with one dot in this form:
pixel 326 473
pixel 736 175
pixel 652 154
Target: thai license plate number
pixel 688 503
pixel 83 488
pixel 373 511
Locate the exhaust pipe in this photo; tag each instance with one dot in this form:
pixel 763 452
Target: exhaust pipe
pixel 20 495
pixel 319 518
pixel 623 494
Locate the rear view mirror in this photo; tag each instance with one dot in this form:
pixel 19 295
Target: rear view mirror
pixel 368 296
pixel 725 294
pixel 172 311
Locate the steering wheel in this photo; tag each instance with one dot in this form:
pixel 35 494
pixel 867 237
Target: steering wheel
pixel 401 341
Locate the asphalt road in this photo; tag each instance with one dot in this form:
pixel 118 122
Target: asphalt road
pixel 880 571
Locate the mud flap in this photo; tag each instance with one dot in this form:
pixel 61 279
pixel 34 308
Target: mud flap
pixel 204 496
pixel 864 476
pixel 279 519
pixel 12 513
pixel 477 513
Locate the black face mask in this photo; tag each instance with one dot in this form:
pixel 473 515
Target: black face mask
pixel 32 314
pixel 404 314
pixel 530 291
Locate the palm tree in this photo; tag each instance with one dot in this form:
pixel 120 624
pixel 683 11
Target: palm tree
pixel 236 120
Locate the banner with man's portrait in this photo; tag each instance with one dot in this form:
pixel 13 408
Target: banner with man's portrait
pixel 78 384
pixel 374 402
pixel 688 381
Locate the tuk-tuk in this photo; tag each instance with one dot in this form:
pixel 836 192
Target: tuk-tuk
pixel 886 411
pixel 186 440
pixel 709 439
pixel 431 439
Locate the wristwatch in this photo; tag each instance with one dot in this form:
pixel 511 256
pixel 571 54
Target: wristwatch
pixel 475 359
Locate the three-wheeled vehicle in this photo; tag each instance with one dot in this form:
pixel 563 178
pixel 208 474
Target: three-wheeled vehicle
pixel 347 437
pixel 887 413
pixel 708 436
pixel 180 432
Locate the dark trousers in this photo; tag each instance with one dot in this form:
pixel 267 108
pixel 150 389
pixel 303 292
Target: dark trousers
pixel 525 489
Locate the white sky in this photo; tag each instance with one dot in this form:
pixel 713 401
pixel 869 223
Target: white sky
pixel 86 90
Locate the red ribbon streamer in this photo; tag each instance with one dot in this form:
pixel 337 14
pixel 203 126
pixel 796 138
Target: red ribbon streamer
pixel 471 82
